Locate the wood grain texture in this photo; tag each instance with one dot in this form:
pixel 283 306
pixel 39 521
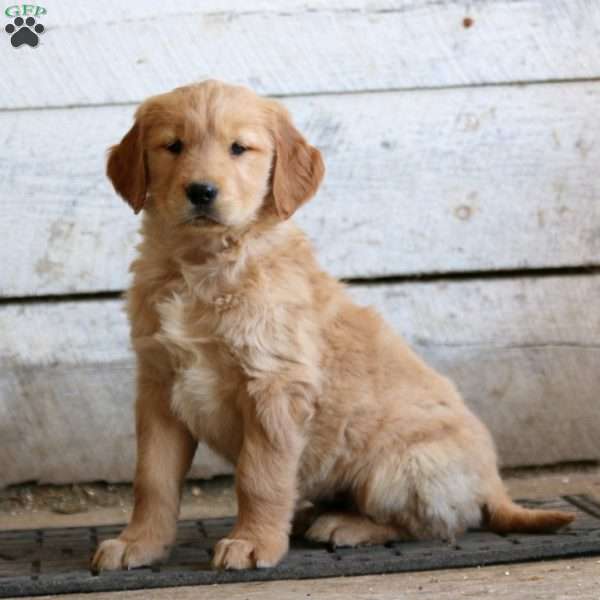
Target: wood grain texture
pixel 522 351
pixel 420 182
pixel 122 52
pixel 563 579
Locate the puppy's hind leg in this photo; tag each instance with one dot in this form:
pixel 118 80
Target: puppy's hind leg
pixel 352 529
pixel 427 492
pixel 309 512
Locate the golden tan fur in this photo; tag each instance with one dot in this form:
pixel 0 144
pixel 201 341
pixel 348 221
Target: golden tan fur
pixel 244 343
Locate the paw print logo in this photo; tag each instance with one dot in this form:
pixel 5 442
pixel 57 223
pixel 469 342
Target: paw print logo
pixel 24 32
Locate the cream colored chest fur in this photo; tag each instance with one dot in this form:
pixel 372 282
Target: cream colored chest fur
pixel 207 376
pixel 237 324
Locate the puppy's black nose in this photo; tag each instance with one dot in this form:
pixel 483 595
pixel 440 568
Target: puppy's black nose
pixel 201 193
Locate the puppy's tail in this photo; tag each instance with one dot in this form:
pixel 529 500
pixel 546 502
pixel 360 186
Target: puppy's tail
pixel 502 515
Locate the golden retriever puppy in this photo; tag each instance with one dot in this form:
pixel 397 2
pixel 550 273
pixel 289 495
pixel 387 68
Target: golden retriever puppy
pixel 244 343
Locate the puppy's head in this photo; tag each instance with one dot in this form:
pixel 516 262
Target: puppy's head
pixel 210 155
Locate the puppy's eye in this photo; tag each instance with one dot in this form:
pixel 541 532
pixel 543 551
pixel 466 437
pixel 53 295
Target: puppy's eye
pixel 175 147
pixel 237 149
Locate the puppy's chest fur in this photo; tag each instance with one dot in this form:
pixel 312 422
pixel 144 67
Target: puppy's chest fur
pixel 235 324
pixel 219 332
pixel 206 353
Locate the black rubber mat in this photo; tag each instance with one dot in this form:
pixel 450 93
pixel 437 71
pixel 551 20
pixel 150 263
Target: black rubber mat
pixel 55 561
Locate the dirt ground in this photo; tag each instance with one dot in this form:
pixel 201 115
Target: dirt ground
pixel 31 506
pixel 550 580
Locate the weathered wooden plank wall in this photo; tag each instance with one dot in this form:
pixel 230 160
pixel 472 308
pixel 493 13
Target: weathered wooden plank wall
pixel 417 182
pixel 501 339
pixel 440 162
pixel 111 53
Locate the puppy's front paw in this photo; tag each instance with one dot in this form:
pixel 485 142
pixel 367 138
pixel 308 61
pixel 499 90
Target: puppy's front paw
pixel 120 554
pixel 241 553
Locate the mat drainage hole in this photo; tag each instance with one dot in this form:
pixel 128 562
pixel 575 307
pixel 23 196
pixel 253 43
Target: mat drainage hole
pixel 7 556
pixel 67 551
pixel 36 566
pixel 398 553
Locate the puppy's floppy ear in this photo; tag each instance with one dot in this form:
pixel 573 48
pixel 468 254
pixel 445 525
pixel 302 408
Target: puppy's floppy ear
pixel 126 168
pixel 297 169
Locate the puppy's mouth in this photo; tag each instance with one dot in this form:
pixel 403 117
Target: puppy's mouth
pixel 202 219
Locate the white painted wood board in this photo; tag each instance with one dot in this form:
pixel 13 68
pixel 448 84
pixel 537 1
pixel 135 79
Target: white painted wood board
pixel 115 52
pixel 417 182
pixel 524 352
pixel 66 394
